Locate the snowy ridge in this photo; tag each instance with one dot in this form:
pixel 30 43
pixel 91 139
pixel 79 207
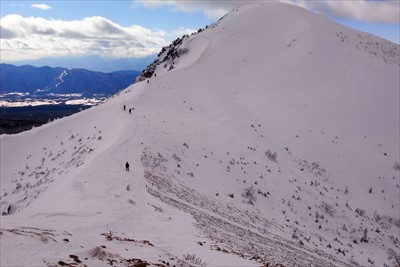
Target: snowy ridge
pixel 273 141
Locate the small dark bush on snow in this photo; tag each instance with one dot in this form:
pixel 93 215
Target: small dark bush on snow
pixel 396 166
pixel 249 195
pixel 271 156
pixel 327 208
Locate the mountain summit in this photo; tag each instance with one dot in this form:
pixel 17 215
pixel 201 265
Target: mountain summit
pixel 269 138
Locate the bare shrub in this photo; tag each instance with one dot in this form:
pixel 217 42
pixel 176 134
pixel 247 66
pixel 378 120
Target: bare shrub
pixel 100 252
pixel 396 222
pixel 176 157
pixel 194 260
pixel 249 195
pixel 377 217
pixel 10 210
pixel 44 239
pixel 394 256
pixel 386 221
pixel 364 238
pixel 265 194
pixel 327 208
pixel 396 166
pixel 272 156
pixel 360 212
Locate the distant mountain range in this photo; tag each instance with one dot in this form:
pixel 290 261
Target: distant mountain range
pixel 46 80
pixel 92 62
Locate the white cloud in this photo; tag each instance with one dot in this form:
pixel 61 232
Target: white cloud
pixel 41 6
pixel 383 11
pixel 211 8
pixel 386 11
pixel 182 31
pixel 31 38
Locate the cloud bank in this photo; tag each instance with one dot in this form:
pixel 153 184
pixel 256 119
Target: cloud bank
pixel 213 9
pixel 383 11
pixel 32 38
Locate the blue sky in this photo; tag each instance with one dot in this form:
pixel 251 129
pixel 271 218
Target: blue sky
pixel 125 13
pixel 121 29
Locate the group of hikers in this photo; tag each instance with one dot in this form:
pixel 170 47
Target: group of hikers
pixel 127 164
pixel 130 110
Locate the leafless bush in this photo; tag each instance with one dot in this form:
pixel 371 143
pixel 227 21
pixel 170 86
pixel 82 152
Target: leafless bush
pixel 396 222
pixel 153 161
pixel 327 208
pixel 394 256
pixel 396 166
pixel 249 195
pixel 386 221
pixel 272 156
pixel 265 194
pixel 44 239
pixel 364 238
pixel 100 252
pixel 194 260
pixel 176 157
pixel 377 217
pixel 360 212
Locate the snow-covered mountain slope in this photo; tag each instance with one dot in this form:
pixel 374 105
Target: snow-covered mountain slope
pixel 273 140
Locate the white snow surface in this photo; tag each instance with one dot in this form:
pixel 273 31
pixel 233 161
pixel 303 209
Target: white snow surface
pixel 274 140
pixel 27 103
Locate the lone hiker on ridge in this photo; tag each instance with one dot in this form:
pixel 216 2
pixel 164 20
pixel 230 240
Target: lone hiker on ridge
pixel 124 107
pixel 127 166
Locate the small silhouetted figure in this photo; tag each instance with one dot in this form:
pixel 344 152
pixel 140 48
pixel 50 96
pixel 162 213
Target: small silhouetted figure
pixel 130 110
pixel 124 107
pixel 127 166
pixel 148 81
pixel 155 75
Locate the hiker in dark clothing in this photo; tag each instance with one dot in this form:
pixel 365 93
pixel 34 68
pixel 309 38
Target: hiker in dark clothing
pixel 130 110
pixel 124 107
pixel 127 166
